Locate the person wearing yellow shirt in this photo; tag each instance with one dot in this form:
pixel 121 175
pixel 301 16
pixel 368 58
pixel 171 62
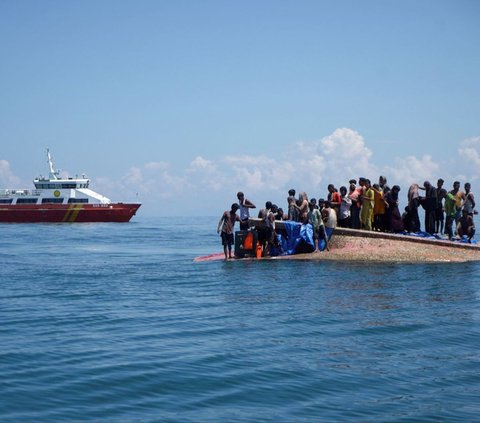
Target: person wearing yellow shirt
pixel 368 201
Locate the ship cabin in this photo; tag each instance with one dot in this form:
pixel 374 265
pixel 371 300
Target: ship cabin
pixel 54 191
pixel 69 183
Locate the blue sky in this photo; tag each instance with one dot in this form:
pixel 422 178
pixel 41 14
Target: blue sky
pixel 187 102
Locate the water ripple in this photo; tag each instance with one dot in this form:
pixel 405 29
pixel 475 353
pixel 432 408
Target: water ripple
pixel 122 326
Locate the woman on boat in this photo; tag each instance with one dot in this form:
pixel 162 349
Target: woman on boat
pixel 393 217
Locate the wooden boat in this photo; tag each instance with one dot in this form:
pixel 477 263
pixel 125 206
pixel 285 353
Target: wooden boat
pixel 354 245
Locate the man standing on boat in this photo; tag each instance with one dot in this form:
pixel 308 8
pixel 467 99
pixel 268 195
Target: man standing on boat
pixel 244 205
pixel 225 229
pixel 429 203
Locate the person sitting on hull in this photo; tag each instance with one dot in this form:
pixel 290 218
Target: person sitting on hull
pixel 465 226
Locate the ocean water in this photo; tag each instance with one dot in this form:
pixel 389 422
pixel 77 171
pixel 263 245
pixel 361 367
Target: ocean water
pixel 116 323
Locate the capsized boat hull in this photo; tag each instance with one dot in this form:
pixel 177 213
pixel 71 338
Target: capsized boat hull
pixel 353 245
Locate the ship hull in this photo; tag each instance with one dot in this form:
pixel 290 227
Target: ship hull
pixel 68 213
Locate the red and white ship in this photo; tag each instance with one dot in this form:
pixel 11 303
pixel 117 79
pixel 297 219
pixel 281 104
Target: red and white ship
pixel 56 199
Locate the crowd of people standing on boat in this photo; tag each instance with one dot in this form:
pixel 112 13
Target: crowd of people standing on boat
pixel 375 207
pixel 367 206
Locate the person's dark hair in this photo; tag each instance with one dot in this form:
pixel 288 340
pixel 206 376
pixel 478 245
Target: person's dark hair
pixel 268 205
pixel 235 206
pixel 291 192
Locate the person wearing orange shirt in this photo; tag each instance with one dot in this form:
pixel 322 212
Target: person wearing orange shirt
pixel 378 209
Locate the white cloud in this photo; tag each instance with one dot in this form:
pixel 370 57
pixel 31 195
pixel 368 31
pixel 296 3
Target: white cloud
pixel 408 170
pixel 258 174
pixel 7 178
pixel 153 181
pixel 469 155
pixel 335 159
pixel 157 166
pixel 347 144
pixel 246 161
pixel 201 164
pixel 306 166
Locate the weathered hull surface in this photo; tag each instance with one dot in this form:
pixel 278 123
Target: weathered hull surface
pixel 350 245
pixel 57 213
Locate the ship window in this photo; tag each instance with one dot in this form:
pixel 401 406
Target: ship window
pixel 26 201
pixel 6 201
pixel 69 186
pixel 48 186
pixel 77 200
pixel 52 200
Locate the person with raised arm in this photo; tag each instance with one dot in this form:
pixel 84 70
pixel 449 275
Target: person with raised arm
pixel 244 206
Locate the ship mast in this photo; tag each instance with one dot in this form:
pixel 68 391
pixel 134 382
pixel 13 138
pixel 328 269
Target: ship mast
pixel 53 173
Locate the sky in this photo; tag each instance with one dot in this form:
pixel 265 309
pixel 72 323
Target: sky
pixel 180 104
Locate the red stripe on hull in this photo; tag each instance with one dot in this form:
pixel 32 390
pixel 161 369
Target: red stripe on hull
pixel 53 213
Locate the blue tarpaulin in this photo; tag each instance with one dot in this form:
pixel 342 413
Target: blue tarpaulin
pixel 298 239
pixel 426 235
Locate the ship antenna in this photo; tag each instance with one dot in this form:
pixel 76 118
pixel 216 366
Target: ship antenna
pixel 53 173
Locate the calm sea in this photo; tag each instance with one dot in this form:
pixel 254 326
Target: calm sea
pixel 116 323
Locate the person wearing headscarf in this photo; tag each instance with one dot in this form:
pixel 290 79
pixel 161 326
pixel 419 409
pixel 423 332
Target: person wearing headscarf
pixel 413 203
pixel 393 217
pixel 429 203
